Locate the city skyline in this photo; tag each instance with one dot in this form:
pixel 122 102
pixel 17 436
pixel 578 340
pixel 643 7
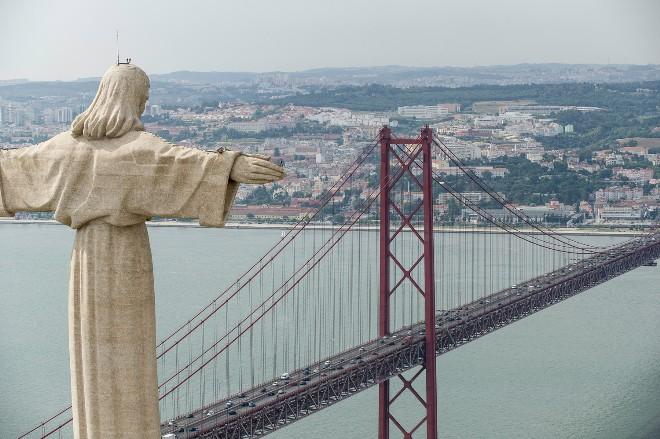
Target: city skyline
pixel 74 39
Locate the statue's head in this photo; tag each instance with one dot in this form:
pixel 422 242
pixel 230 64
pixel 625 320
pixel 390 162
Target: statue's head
pixel 118 104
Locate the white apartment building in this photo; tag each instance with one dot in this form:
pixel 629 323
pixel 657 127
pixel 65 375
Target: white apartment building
pixel 615 193
pixel 64 115
pixel 423 111
pixel 618 213
pixel 472 197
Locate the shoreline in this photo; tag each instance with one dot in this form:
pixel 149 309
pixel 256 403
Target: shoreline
pixel 587 231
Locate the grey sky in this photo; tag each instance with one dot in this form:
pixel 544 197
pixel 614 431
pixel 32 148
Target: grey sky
pixel 68 39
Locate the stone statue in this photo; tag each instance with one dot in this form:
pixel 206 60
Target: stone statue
pixel 104 178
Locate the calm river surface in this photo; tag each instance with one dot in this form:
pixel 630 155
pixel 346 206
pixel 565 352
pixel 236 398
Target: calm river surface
pixel 586 368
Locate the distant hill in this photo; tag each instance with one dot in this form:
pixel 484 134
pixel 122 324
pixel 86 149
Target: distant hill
pixel 434 76
pixel 46 88
pixel 368 88
pixel 403 76
pixel 13 81
pixel 206 77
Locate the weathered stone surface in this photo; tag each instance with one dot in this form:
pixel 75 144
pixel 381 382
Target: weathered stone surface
pixel 122 181
pixel 104 178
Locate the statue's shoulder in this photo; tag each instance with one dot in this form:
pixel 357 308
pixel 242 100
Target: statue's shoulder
pixel 145 146
pixel 62 140
pixel 65 137
pixel 154 142
pixel 149 139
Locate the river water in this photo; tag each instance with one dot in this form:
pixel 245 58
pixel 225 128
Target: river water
pixel 588 367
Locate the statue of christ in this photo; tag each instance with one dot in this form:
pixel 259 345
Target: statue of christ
pixel 104 178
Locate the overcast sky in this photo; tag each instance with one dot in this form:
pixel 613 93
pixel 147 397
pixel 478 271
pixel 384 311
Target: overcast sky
pixel 68 39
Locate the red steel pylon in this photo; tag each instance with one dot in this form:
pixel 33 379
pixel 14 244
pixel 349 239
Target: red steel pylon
pixel 390 149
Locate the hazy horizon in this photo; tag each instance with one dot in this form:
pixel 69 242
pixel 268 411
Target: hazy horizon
pixel 97 77
pixel 73 39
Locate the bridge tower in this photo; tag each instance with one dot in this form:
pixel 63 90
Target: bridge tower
pixel 405 151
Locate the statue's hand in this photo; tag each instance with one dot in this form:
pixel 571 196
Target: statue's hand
pixel 255 170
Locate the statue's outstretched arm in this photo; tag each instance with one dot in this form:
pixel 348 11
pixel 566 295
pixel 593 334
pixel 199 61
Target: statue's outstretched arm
pixel 251 169
pixel 30 179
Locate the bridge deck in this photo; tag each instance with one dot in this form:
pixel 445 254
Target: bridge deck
pixel 273 405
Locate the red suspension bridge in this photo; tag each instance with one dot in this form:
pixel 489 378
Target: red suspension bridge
pixel 329 311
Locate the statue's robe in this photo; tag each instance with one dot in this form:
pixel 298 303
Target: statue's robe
pixel 106 189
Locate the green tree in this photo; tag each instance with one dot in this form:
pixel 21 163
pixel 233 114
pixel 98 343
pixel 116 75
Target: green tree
pixel 338 219
pixel 453 209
